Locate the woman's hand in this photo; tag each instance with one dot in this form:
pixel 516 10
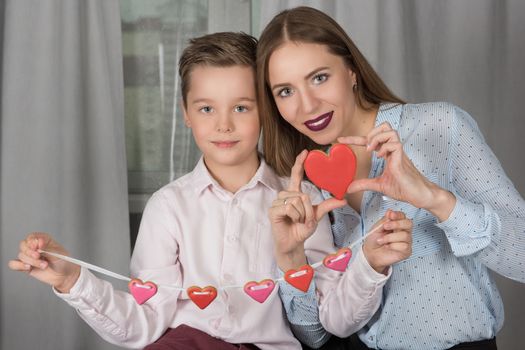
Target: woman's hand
pixel 400 179
pixel 294 218
pixel 56 272
pixel 391 244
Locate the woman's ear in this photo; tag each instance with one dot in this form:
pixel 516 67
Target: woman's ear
pixel 353 77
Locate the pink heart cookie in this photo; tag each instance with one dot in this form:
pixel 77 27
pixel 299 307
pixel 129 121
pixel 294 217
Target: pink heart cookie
pixel 338 261
pixel 259 291
pixel 141 291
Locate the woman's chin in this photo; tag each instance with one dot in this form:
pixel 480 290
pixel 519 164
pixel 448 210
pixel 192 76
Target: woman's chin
pixel 324 140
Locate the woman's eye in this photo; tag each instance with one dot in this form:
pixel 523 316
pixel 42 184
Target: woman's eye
pixel 241 109
pixel 319 78
pixel 285 92
pixel 206 109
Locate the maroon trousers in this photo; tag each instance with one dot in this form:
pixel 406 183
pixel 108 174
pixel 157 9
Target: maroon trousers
pixel 186 338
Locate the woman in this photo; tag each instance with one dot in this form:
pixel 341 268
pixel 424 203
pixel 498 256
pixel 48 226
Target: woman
pixel 427 160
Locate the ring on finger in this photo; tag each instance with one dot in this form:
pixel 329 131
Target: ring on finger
pixel 285 201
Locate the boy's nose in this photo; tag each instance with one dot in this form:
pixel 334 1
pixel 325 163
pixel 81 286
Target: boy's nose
pixel 225 124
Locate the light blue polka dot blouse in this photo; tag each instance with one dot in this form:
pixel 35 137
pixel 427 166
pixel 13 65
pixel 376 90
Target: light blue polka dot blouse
pixel 443 294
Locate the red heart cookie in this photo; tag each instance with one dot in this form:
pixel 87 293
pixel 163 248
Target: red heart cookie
pixel 300 278
pixel 142 291
pixel 202 297
pixel 333 172
pixel 338 261
pixel 259 291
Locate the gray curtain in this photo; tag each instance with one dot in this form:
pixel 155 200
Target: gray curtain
pixel 62 160
pixel 468 52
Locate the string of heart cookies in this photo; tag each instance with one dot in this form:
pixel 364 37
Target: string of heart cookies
pixel 333 172
pixel 202 297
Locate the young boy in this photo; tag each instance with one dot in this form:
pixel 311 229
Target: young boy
pixel 207 228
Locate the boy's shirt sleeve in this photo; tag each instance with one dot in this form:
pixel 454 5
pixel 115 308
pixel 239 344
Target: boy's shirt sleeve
pixel 114 314
pixel 336 303
pixel 347 303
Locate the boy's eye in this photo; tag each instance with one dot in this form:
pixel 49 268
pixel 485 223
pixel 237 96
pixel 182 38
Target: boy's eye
pixel 284 92
pixel 241 109
pixel 206 109
pixel 319 78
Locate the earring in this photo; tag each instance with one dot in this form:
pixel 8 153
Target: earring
pixel 354 87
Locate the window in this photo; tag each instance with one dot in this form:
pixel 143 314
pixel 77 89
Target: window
pixel 159 146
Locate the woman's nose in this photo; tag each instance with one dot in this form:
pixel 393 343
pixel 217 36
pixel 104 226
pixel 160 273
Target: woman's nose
pixel 309 102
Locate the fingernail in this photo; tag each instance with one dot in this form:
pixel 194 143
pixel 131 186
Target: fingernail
pixel 311 224
pixel 380 240
pixel 43 265
pixel 27 266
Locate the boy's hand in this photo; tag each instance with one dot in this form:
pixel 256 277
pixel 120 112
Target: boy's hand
pixel 391 244
pixel 56 272
pixel 294 218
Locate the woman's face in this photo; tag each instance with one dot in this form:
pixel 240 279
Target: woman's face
pixel 313 90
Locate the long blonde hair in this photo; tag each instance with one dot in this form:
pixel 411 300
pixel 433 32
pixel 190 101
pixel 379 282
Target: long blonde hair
pixel 281 141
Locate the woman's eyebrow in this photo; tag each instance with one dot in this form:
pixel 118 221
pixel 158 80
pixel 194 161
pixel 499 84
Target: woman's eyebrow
pixel 307 76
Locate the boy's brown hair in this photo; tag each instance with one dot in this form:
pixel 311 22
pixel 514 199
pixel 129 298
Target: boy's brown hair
pixel 224 49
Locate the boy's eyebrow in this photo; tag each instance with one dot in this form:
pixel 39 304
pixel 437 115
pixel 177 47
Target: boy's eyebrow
pixel 200 100
pixel 207 100
pixel 307 76
pixel 249 99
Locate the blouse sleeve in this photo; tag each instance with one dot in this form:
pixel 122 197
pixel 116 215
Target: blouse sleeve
pixel 488 221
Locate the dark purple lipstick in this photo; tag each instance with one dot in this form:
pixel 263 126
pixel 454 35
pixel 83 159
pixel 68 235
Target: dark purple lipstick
pixel 320 122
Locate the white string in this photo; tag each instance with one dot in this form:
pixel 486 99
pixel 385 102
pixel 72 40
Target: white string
pixel 86 265
pixel 103 271
pixel 351 246
pixel 124 278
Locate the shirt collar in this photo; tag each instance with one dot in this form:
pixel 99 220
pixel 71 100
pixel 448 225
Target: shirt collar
pixel 202 178
pixel 391 113
pixel 266 176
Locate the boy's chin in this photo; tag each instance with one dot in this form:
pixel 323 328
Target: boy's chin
pixel 229 160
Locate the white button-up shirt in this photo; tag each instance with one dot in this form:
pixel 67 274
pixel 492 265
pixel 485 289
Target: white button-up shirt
pixel 193 232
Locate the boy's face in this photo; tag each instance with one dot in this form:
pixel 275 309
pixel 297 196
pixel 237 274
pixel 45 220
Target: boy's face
pixel 222 112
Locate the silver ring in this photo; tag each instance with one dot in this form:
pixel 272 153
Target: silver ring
pixel 285 201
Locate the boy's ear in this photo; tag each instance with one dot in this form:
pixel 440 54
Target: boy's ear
pixel 185 114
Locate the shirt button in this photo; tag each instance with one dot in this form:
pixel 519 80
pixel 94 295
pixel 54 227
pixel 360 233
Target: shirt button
pixel 232 239
pixel 227 278
pixel 235 201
